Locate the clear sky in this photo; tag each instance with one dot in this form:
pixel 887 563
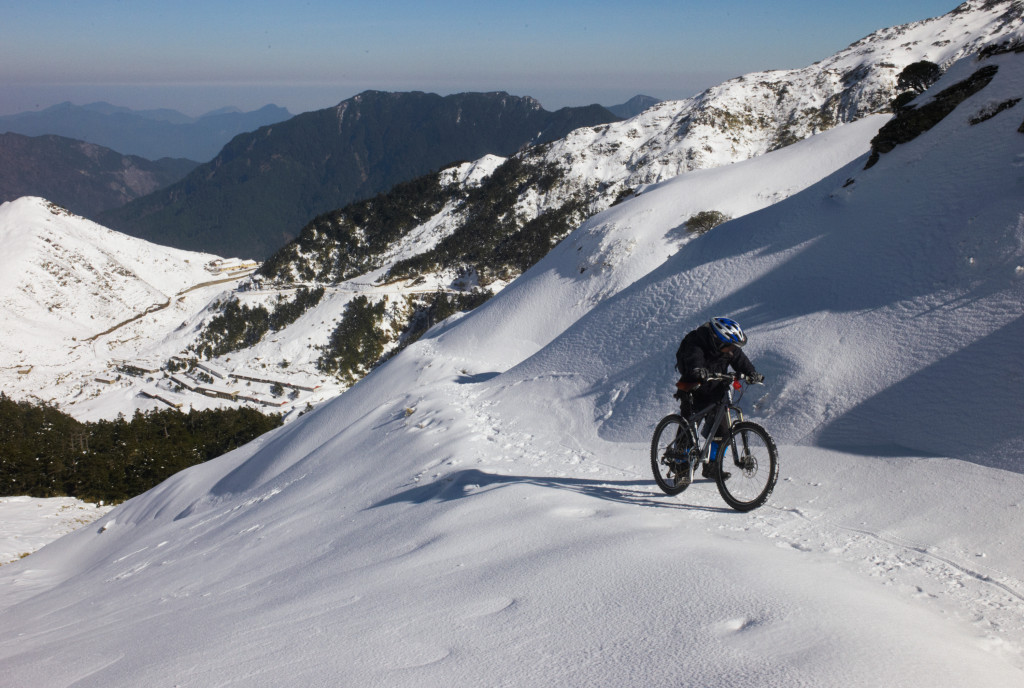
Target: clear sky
pixel 196 56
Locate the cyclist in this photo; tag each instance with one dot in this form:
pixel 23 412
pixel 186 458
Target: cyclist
pixel 709 349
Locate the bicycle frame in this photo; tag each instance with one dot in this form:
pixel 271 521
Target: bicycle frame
pixel 723 411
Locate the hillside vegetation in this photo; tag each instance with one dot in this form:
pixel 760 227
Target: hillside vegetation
pixel 47 453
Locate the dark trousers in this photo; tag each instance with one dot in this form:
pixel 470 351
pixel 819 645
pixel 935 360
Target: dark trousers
pixel 700 399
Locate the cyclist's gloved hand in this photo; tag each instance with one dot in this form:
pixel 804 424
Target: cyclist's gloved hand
pixel 755 378
pixel 700 374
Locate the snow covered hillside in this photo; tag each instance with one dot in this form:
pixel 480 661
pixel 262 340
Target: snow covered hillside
pixel 479 509
pixel 76 297
pixel 879 299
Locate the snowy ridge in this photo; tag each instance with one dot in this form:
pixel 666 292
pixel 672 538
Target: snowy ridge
pixel 86 274
pixel 758 112
pixel 479 509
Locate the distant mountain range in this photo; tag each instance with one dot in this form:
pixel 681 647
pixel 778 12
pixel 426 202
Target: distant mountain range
pixel 151 134
pixel 82 177
pixel 264 186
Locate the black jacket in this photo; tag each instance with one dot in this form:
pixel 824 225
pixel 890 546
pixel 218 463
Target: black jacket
pixel 699 349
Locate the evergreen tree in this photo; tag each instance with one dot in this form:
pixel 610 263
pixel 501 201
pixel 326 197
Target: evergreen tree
pixel 357 342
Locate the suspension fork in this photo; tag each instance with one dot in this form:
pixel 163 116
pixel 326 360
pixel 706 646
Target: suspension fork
pixel 742 456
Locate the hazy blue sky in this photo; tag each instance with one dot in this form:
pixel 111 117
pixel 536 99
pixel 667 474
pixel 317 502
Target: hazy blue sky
pixel 196 56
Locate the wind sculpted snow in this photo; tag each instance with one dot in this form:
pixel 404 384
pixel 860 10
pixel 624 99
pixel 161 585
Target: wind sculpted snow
pixel 616 248
pixel 890 300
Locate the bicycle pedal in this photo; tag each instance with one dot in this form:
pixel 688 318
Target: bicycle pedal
pixel 682 478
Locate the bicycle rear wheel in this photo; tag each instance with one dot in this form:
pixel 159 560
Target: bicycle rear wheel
pixel 670 449
pixel 750 457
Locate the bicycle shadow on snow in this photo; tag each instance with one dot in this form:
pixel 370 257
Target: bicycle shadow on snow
pixel 471 482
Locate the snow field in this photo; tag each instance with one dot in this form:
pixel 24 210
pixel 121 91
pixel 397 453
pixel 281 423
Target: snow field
pixel 490 527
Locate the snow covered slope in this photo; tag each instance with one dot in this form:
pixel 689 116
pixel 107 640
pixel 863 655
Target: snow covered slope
pixel 76 296
pixel 479 510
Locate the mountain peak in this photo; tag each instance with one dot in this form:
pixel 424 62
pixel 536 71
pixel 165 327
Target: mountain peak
pixel 634 106
pixel 357 149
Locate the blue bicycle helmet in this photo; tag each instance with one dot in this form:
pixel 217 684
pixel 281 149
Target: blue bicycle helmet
pixel 728 331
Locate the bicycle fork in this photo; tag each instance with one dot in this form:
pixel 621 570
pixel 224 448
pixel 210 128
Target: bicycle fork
pixel 742 456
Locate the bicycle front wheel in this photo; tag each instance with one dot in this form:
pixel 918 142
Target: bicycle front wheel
pixel 670 449
pixel 752 461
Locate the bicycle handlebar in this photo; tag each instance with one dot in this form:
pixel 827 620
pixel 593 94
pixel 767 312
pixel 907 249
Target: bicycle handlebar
pixel 731 377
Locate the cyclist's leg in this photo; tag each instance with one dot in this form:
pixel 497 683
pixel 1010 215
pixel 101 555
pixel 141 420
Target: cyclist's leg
pixel 711 394
pixel 685 402
pixel 702 399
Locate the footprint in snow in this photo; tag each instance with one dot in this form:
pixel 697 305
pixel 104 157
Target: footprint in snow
pixel 573 512
pixel 489 607
pixel 417 656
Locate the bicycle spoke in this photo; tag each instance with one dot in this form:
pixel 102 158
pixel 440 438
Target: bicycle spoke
pixel 670 453
pixel 752 462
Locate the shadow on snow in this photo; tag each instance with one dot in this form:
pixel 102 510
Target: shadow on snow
pixel 472 482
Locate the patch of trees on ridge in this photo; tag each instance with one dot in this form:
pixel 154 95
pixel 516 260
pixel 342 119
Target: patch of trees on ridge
pixel 348 242
pixel 239 326
pixel 358 342
pixel 47 453
pixel 491 238
pixel 913 120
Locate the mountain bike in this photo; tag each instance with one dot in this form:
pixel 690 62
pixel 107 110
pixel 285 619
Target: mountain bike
pixel 747 460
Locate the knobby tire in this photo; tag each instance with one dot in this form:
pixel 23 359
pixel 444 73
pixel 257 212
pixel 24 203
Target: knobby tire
pixel 750 456
pixel 671 437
